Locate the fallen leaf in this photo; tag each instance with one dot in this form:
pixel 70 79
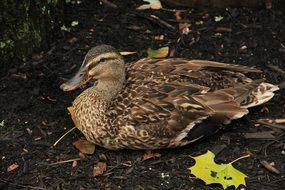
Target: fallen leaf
pixel 153 4
pixel 12 167
pixel 74 23
pixel 207 170
pixel 199 22
pixel 127 52
pixel 178 15
pixel 150 154
pixel 218 18
pixel 2 123
pixel 159 37
pixel 184 27
pixel 99 169
pixel 74 163
pixel 84 146
pixel 159 53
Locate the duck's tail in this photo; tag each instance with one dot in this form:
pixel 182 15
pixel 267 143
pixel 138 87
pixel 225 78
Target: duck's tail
pixel 262 94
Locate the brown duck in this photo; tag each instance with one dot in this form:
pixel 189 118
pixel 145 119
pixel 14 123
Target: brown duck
pixel 159 103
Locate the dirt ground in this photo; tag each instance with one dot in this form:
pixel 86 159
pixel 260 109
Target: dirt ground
pixel 35 116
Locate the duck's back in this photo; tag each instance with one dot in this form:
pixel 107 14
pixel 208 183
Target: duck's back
pixel 169 97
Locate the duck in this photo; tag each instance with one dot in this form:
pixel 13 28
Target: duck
pixel 159 103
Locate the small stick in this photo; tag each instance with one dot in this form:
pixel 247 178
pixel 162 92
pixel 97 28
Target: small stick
pixel 223 29
pixel 56 142
pixel 277 69
pixel 65 161
pixel 242 157
pixel 262 122
pixel 162 22
pixel 269 167
pixel 156 20
pixel 108 3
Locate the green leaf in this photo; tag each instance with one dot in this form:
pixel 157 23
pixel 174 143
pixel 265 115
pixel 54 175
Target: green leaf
pixel 159 53
pixel 2 123
pixel 218 18
pixel 210 172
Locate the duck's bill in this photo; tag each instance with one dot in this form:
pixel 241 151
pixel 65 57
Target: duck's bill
pixel 77 81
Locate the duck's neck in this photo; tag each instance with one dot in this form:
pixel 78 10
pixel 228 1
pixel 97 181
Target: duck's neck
pixel 108 88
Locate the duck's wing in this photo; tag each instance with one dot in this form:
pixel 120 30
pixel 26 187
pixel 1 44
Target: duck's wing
pixel 180 66
pixel 153 97
pixel 212 74
pixel 173 109
pixel 150 102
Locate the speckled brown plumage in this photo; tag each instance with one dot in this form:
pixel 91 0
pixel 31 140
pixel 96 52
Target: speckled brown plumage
pixel 160 103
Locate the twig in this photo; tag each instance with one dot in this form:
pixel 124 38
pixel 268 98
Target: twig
pixel 65 161
pixel 223 29
pixel 264 135
pixel 162 22
pixel 269 167
pixel 156 20
pixel 21 185
pixel 242 157
pixel 108 3
pixel 277 69
pixel 264 122
pixel 56 142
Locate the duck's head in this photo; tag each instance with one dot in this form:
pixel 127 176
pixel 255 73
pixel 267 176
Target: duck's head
pixel 102 62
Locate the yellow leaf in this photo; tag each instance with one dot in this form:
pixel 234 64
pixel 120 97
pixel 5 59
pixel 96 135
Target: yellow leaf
pixel 207 170
pixel 159 53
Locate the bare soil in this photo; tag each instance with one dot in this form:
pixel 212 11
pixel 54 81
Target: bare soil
pixel 35 116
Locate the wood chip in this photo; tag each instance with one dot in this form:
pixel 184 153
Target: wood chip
pixel 223 29
pixel 265 135
pixel 269 167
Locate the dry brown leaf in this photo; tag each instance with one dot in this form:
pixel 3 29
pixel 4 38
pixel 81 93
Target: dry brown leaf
pixel 74 163
pixel 12 167
pixel 178 15
pixel 184 27
pixel 84 146
pixel 99 168
pixel 127 52
pixel 159 37
pixel 150 154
